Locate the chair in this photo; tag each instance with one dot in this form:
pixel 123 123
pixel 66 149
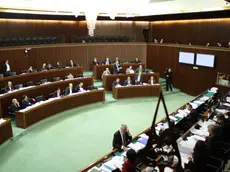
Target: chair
pixel 3 90
pixel 41 40
pixel 51 95
pixel 39 98
pixel 7 42
pixel 54 40
pixel 11 114
pixel 56 79
pixel 34 40
pixel 28 41
pixel 1 42
pixel 14 41
pixel 63 91
pixel 30 83
pixel 18 86
pixel 92 87
pixel 12 74
pixel 1 75
pixel 24 71
pixel 43 81
pixel 216 162
pixel 79 75
pixel 21 41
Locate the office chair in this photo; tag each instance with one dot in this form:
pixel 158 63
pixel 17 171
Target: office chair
pixel 30 83
pixel 79 75
pixel 1 75
pixel 56 79
pixel 18 86
pixel 12 74
pixel 11 114
pixel 24 71
pixel 216 162
pixel 28 41
pixel 51 95
pixel 14 41
pixel 43 81
pixel 92 87
pixel 39 98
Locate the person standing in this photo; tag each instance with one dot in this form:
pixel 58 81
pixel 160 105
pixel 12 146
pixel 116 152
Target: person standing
pixel 169 76
pixel 6 68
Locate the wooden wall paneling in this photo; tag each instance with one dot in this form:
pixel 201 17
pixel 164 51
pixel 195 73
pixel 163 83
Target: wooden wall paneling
pixel 92 52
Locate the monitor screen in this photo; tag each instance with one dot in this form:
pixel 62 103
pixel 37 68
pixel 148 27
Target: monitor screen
pixel 206 60
pixel 186 58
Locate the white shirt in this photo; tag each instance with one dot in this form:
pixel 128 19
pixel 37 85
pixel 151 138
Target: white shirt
pixel 138 78
pixel 107 62
pixel 152 82
pixel 7 67
pixel 81 89
pixel 70 91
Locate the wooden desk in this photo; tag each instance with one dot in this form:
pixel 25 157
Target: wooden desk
pixel 38 76
pixel 109 79
pixel 31 116
pixel 45 90
pixel 5 131
pixel 136 91
pixel 98 69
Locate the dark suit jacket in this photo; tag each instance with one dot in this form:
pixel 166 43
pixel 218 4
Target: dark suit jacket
pixel 154 81
pixel 117 140
pixel 95 63
pixel 213 145
pixel 136 77
pixel 126 82
pixel 67 91
pixel 169 78
pixel 115 83
pixel 115 69
pixel 50 68
pixel 14 108
pixel 55 94
pixel 104 62
pixel 137 61
pixel 4 70
pixel 8 89
pixel 77 88
pixel 25 104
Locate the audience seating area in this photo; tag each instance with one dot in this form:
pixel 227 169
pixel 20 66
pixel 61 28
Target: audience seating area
pixel 35 40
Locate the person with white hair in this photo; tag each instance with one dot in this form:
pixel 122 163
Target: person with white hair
pixel 122 137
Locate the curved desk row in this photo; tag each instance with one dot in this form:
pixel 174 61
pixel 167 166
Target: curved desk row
pixel 136 91
pixel 109 79
pixel 98 164
pixel 5 131
pixel 40 111
pixel 44 89
pixel 98 69
pixel 38 76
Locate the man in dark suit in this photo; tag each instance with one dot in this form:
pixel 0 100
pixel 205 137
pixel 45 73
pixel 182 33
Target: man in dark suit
pixel 58 65
pixel 137 61
pixel 138 78
pixel 79 87
pixel 15 106
pixel 116 68
pixel 57 93
pixel 152 81
pixel 122 137
pixel 106 61
pixel 26 101
pixel 50 67
pixel 9 87
pixel 69 89
pixel 43 67
pixel 116 83
pixel 140 69
pixel 128 82
pixel 6 68
pixel 169 79
pixel 95 62
pixel 117 59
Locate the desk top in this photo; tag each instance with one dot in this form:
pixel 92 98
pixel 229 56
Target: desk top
pixel 115 152
pixel 6 121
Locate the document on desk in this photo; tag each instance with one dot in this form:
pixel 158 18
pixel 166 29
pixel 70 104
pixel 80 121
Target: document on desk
pixel 136 146
pixel 94 169
pixel 114 163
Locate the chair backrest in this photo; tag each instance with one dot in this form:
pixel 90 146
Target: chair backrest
pixel 39 98
pixel 24 71
pixel 51 95
pixel 56 79
pixel 1 75
pixel 12 73
pixel 30 83
pixel 79 75
pixel 43 81
pixel 18 86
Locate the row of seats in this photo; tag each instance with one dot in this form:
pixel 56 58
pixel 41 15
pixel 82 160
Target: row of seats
pixel 17 41
pixel 76 39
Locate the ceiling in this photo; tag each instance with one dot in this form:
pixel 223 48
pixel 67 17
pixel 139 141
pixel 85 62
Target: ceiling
pixel 118 8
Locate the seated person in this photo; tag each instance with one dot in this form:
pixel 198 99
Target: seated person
pixel 79 88
pixel 152 81
pixel 140 69
pixel 129 70
pixel 50 67
pixel 95 62
pixel 130 164
pixel 128 82
pixel 9 87
pixel 43 67
pixel 58 65
pixel 15 106
pixel 117 82
pixel 213 141
pixel 26 101
pixel 69 89
pixel 105 72
pixel 199 159
pixel 137 61
pixel 223 121
pixel 138 78
pixel 30 70
pixel 122 137
pixel 106 61
pixel 57 93
pixel 117 68
pixel 161 41
pixel 117 59
pixel 70 76
pixel 72 64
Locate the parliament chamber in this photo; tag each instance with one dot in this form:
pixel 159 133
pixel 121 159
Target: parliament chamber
pixel 113 89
